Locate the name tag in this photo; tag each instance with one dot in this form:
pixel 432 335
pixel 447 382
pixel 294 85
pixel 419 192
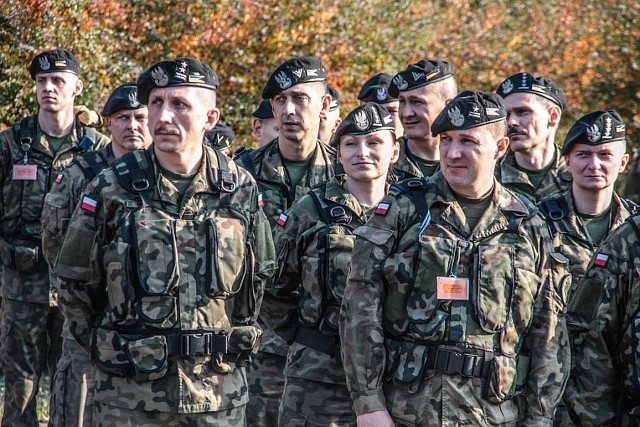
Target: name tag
pixel 452 288
pixel 25 172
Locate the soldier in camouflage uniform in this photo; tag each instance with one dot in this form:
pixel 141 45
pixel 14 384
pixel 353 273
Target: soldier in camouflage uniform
pixel 71 395
pixel 330 120
pixel 32 153
pixel 582 217
pixel 265 126
pixel 163 265
pixel 376 89
pixel 423 90
pixel 314 244
pixel 285 170
pixel 533 165
pixel 449 312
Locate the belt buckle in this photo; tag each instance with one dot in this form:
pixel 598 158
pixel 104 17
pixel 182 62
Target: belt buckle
pixel 196 344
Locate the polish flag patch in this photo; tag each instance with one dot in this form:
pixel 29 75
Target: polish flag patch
pixel 59 178
pixel 382 209
pixel 89 204
pixel 260 201
pixel 601 260
pixel 282 220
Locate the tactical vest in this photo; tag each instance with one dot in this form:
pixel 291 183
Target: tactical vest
pixel 152 309
pixel 477 336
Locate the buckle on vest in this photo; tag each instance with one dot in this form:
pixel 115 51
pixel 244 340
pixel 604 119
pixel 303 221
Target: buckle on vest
pixel 464 364
pixel 340 215
pixel 414 183
pixel 140 184
pixel 203 344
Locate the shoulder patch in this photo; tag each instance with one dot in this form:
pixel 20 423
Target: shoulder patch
pixel 89 204
pixel 382 209
pixel 282 220
pixel 601 260
pixel 260 200
pixel 59 178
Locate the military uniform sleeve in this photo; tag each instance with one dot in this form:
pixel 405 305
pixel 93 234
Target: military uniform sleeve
pixel 595 317
pixel 361 333
pixel 546 342
pixel 82 292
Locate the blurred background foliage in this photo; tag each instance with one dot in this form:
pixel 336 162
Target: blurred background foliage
pixel 591 49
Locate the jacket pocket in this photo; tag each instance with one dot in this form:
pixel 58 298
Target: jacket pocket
pixel 148 357
pixel 155 255
pixel 108 350
pixel 226 256
pixel 495 286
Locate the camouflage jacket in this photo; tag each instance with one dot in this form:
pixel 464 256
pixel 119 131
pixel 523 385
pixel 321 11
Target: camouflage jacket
pixel 26 276
pixel 163 287
pixel 277 195
pixel 406 166
pixel 314 246
pixel 603 318
pixel 501 312
pixel 570 235
pixel 558 180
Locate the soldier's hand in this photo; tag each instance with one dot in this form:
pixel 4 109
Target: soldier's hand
pixel 87 117
pixel 375 419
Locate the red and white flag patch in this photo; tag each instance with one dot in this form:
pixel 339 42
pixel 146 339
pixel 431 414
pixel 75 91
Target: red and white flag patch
pixel 59 178
pixel 260 201
pixel 601 260
pixel 89 204
pixel 382 209
pixel 282 220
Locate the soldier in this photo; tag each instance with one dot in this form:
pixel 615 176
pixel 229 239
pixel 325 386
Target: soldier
pixel 632 180
pixel 445 319
pixel 376 89
pixel 32 153
pixel 220 138
pixel 423 89
pixel 285 170
pixel 533 165
pixel 162 267
pixel 72 388
pixel 595 149
pixel 265 126
pixel 330 120
pixel 314 245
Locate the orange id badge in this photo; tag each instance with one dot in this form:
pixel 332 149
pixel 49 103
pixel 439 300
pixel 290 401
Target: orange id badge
pixel 452 288
pixel 25 172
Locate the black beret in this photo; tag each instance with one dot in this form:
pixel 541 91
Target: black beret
pixel 376 89
pixel 335 98
pixel 303 69
pixel 525 82
pixel 220 137
pixel 178 72
pixel 469 110
pixel 420 74
pixel 364 119
pixel 264 110
pixel 53 61
pixel 599 127
pixel 124 97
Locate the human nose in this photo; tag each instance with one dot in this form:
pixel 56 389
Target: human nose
pixel 289 107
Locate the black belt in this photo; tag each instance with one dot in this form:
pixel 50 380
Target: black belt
pixel 196 344
pixel 318 341
pixel 455 362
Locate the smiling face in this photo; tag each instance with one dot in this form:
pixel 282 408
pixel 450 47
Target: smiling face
pixel 57 91
pixel 419 107
pixel 367 157
pixel 468 158
pixel 596 167
pixel 179 116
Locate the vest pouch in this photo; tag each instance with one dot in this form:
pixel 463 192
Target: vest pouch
pixel 226 253
pixel 507 378
pixel 158 311
pixel 244 339
pixel 494 290
pixel 155 254
pixel 26 258
pixel 148 357
pixel 108 350
pixel 117 261
pixel 527 286
pixel 412 359
pixel 340 247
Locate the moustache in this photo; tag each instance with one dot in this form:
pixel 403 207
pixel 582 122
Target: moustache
pixel 512 129
pixel 165 130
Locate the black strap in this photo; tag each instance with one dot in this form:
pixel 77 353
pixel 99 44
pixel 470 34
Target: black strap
pixel 91 164
pixel 415 188
pixel 318 341
pixel 460 363
pixel 136 175
pixel 197 344
pixel 226 180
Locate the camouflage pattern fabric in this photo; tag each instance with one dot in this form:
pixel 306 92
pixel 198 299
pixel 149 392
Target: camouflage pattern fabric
pixel 395 330
pixel 112 416
pixel 25 275
pixel 557 180
pixel 631 188
pixel 604 325
pixel 30 334
pixel 406 167
pixel 164 287
pixel 266 165
pixel 266 385
pixel 314 254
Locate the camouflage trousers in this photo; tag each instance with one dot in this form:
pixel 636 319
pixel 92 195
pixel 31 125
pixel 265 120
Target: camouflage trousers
pixel 30 334
pixel 113 416
pixel 313 403
pixel 72 387
pixel 266 384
